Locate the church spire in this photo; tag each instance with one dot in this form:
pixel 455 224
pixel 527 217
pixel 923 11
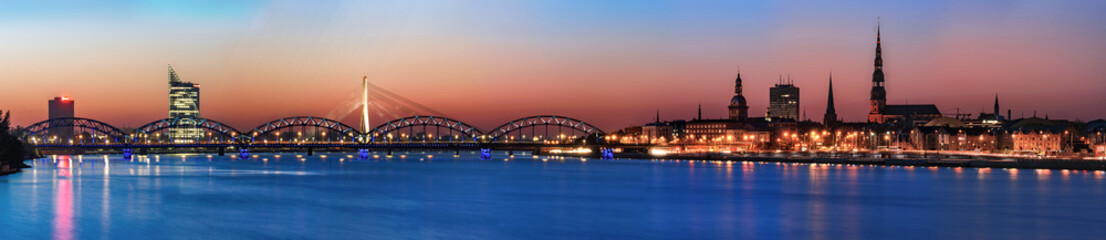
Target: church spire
pixel 878 97
pixel 831 112
pixel 829 102
pixel 995 105
pixel 700 111
pixel 879 55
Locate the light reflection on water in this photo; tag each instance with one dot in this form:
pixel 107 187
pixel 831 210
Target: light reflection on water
pixel 437 195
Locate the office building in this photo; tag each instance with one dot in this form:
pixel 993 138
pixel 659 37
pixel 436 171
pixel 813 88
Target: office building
pixel 184 102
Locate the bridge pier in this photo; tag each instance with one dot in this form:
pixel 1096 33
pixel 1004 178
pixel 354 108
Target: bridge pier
pixel 485 154
pixel 606 153
pixel 456 152
pixel 310 151
pixel 389 152
pixel 222 151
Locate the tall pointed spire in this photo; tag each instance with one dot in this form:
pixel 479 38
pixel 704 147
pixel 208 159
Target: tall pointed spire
pixel 829 102
pixel 879 54
pixel 878 99
pixel 997 105
pixel 700 111
pixel 831 112
pixel 173 75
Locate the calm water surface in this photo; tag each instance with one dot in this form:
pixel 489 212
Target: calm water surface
pixel 527 197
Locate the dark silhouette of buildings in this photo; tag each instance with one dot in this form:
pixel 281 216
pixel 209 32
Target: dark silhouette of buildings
pixel 993 116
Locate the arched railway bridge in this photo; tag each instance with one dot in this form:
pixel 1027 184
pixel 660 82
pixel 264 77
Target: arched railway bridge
pixel 422 132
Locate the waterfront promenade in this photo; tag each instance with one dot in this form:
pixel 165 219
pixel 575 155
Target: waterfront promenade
pixel 890 158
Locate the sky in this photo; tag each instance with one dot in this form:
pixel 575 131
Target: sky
pixel 609 63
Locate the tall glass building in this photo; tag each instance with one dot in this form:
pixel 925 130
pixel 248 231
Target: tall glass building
pixel 184 102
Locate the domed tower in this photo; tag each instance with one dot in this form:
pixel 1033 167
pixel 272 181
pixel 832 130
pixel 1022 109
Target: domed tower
pixel 739 110
pixel 878 97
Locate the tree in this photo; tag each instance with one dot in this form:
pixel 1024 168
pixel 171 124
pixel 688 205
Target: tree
pixel 12 150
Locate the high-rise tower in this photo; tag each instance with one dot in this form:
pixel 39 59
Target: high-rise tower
pixel 783 101
pixel 184 102
pixel 831 112
pixel 61 107
pixel 878 99
pixel 739 110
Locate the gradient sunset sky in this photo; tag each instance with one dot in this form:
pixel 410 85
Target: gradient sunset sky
pixel 612 63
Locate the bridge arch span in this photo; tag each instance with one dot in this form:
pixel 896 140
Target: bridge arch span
pixel 42 128
pixel 202 123
pixel 543 120
pixel 453 127
pixel 306 121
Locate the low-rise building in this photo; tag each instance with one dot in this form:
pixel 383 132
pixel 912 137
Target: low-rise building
pixel 952 134
pixel 1042 136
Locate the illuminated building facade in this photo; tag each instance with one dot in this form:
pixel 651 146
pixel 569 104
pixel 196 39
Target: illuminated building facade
pixel 184 102
pixel 724 132
pixel 1095 132
pixel 1042 136
pixel 947 133
pixel 1037 142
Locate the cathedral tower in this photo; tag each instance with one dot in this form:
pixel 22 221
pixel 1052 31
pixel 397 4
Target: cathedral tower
pixel 878 99
pixel 739 110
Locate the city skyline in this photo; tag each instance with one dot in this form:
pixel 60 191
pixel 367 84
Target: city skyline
pixel 248 79
pixel 559 119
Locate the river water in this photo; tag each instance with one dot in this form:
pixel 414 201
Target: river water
pixel 434 195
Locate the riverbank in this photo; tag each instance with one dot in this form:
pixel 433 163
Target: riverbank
pixel 883 159
pixel 5 169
